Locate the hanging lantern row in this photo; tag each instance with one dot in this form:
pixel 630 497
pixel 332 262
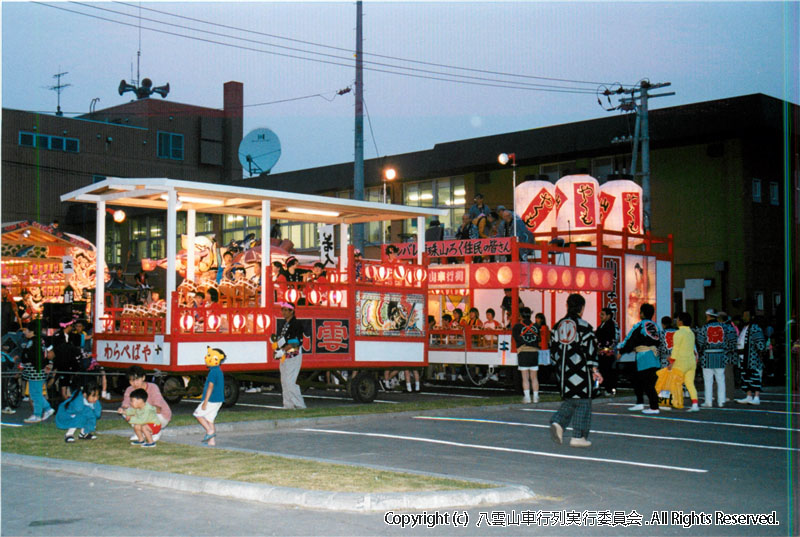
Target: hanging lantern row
pixel 402 273
pixel 315 296
pixel 239 322
pixel 450 292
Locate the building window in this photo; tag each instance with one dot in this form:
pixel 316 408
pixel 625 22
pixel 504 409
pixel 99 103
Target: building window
pixel 759 302
pixel 774 194
pixel 557 170
pixel 53 143
pixel 447 193
pixel 170 145
pixel 303 235
pixel 757 190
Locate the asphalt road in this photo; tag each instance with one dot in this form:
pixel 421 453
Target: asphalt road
pixel 733 461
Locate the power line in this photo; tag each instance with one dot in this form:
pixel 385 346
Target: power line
pixel 496 83
pixel 343 49
pixel 322 54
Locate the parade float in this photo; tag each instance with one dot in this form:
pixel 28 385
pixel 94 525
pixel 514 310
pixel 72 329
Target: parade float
pixel 42 265
pixel 371 315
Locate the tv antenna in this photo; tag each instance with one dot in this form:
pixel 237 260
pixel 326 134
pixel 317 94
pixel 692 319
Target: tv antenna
pixel 259 151
pixel 58 88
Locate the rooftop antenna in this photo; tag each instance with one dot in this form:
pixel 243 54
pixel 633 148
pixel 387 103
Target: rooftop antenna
pixel 58 88
pixel 139 51
pixel 143 88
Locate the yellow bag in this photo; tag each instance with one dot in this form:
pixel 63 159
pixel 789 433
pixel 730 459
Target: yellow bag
pixel 669 387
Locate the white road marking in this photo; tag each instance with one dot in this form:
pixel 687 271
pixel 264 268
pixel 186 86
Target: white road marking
pixel 664 418
pixel 613 433
pixel 342 398
pixel 11 424
pixel 509 450
pixel 259 406
pixel 452 395
pixel 731 409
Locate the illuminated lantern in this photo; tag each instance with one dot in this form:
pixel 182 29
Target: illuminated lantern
pixel 621 208
pixel 213 321
pixel 108 324
pixel 369 271
pixel 148 264
pixel 187 322
pixel 463 292
pixel 291 295
pixel 578 206
pixel 239 321
pixel 335 297
pixel 314 296
pixel 333 277
pixel 410 277
pixel 400 272
pixel 262 322
pixel 420 274
pixel 536 205
pixel 382 272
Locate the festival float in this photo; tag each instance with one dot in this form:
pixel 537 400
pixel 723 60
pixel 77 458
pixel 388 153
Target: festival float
pixel 42 265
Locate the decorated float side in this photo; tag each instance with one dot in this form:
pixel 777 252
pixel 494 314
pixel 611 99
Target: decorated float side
pixel 361 317
pixel 43 267
pixel 586 238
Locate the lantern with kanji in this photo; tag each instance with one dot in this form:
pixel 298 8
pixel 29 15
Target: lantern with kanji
pixel 621 210
pixel 187 322
pixel 577 206
pixel 536 205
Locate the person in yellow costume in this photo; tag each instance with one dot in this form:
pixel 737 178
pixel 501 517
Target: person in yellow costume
pixel 683 357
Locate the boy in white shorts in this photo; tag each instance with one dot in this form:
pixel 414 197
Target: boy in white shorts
pixel 213 395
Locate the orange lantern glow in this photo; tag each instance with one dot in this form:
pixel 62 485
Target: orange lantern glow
pixel 291 295
pixel 335 297
pixel 108 324
pixel 420 274
pixel 333 277
pixel 400 272
pixel 239 321
pixel 213 321
pixel 410 277
pixel 314 296
pixel 262 322
pixel 187 322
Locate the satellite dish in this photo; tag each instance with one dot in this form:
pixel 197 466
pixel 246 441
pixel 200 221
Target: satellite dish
pixel 259 151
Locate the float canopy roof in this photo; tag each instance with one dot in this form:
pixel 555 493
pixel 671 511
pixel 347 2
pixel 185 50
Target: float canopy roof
pixel 225 199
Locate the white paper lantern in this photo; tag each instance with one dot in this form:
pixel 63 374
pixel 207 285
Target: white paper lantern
pixel 536 205
pixel 621 209
pixel 577 206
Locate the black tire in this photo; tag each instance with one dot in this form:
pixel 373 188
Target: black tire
pixel 363 387
pixel 231 391
pixel 172 389
pixel 12 393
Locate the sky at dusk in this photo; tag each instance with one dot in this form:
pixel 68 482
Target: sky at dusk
pixel 521 65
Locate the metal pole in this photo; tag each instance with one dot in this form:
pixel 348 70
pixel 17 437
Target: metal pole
pixel 100 245
pixel 266 257
pixel 635 155
pixel 172 229
pixel 358 160
pixel 645 161
pixel 514 192
pixel 191 232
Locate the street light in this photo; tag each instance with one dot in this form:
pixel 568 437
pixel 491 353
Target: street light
pixel 118 215
pixel 388 175
pixel 503 159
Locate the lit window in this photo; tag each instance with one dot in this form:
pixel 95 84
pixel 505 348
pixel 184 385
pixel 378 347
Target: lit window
pixel 757 190
pixel 774 194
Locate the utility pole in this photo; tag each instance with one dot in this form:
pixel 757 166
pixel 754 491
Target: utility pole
pixel 358 159
pixel 58 88
pixel 637 99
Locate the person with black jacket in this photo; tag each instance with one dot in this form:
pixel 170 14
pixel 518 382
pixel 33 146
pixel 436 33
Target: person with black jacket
pixel 607 338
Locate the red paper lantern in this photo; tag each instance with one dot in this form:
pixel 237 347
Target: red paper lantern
pixel 383 272
pixel 335 297
pixel 108 324
pixel 410 277
pixel 291 295
pixel 400 272
pixel 369 272
pixel 213 321
pixel 239 321
pixel 314 296
pixel 420 274
pixel 333 277
pixel 262 322
pixel 187 322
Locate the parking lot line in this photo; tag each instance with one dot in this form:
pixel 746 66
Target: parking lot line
pixel 731 409
pixel 613 433
pixel 508 450
pixel 664 418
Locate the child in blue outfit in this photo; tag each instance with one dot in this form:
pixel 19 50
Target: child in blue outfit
pixel 81 411
pixel 213 395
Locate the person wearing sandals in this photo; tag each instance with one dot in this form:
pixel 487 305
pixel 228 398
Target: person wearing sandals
pixel 144 419
pixel 80 411
pixel 213 395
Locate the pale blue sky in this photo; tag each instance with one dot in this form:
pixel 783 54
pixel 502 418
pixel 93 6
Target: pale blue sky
pixel 706 50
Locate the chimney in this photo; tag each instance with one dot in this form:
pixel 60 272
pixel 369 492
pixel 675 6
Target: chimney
pixel 233 126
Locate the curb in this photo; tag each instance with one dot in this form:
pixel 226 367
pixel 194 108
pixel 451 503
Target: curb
pixel 268 494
